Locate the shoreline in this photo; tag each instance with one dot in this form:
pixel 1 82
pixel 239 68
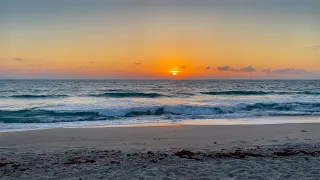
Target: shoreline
pixel 264 120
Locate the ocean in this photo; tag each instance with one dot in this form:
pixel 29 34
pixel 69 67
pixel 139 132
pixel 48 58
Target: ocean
pixel 32 104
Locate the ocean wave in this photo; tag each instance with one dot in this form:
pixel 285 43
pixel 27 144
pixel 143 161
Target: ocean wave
pixel 311 92
pixel 114 94
pixel 27 96
pixel 178 111
pixel 248 93
pixel 112 90
pixel 235 93
pixel 129 95
pixel 46 116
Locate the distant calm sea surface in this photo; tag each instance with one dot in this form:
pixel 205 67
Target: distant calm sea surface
pixel 72 103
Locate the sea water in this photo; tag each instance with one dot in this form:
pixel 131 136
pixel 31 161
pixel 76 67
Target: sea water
pixel 26 104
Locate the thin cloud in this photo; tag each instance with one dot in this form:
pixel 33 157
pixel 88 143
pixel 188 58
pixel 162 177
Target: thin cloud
pixel 137 63
pixel 248 69
pixel 287 71
pixel 317 47
pixel 314 48
pixel 244 69
pixel 223 68
pixel 19 59
pixel 234 70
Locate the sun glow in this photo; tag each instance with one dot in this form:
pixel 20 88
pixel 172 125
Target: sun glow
pixel 174 72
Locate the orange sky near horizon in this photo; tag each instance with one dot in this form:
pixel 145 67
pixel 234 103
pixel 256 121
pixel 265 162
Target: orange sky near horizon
pixel 148 44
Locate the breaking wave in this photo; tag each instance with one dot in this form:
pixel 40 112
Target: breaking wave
pixel 179 111
pixel 128 95
pixel 28 96
pixel 248 93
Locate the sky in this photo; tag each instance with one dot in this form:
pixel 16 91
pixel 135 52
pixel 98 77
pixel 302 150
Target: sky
pixel 149 39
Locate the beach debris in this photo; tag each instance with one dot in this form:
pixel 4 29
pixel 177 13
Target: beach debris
pixel 150 153
pixel 184 153
pixel 24 169
pixel 16 166
pixel 290 152
pixel 90 161
pixel 286 152
pixel 237 154
pixel 164 154
pixel 3 164
pixel 115 162
pixel 79 160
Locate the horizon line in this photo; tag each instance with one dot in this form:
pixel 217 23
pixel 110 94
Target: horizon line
pixel 124 79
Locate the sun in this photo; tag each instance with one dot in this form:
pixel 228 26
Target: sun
pixel 174 72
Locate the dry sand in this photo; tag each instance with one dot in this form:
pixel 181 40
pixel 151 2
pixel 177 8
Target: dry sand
pixel 286 151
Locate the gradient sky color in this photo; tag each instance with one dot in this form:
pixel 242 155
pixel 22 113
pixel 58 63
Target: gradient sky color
pixel 145 39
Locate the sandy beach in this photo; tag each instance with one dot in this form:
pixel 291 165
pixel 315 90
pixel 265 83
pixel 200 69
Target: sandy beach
pixel 280 151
